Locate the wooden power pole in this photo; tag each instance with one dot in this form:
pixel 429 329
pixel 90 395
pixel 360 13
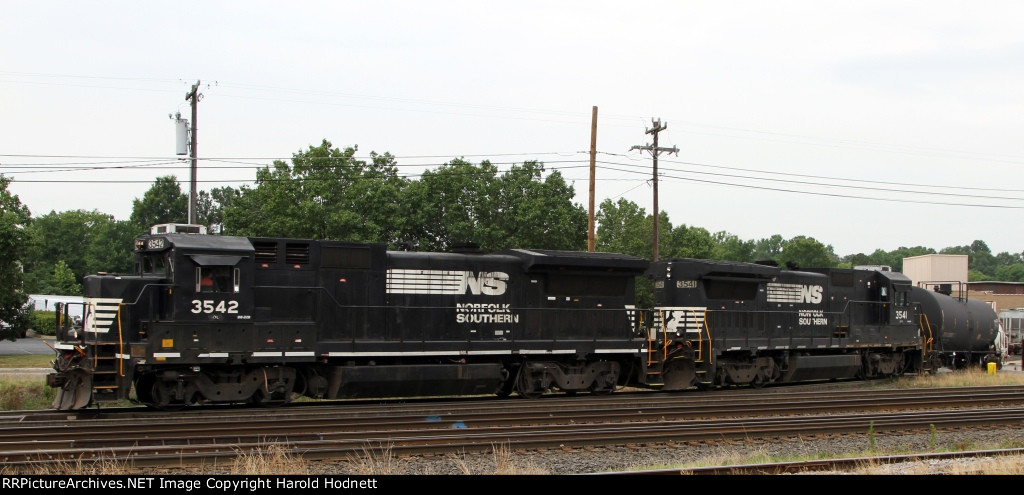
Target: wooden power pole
pixel 593 161
pixel 194 96
pixel 654 149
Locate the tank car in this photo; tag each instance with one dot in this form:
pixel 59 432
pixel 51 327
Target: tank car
pixel 720 323
pixel 210 319
pixel 959 332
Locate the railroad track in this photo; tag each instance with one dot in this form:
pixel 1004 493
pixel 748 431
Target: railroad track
pixel 340 431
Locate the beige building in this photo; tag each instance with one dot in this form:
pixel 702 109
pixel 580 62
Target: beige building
pixel 949 271
pixel 933 270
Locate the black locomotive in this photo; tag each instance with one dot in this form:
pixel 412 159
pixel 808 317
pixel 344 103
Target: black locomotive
pixel 719 323
pixel 263 320
pixel 210 319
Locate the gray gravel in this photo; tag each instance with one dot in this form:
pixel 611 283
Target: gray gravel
pixel 605 459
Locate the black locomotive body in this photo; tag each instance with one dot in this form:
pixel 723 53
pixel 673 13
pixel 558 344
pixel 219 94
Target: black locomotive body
pixel 719 323
pixel 264 320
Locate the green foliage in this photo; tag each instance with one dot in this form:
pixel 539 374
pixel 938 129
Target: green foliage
pixel 623 227
pixel 44 322
pixel 456 203
pixel 807 252
pixel 111 247
pixel 162 203
pixel 14 218
pixel 1010 273
pixel 769 248
pixel 462 202
pixel 16 396
pixel 690 242
pixel 731 248
pixel 210 205
pixel 325 193
pixel 84 241
pixel 64 283
pixel 537 212
pixel 978 276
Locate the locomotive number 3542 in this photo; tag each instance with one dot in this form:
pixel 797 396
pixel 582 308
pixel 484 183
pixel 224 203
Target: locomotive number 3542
pixel 210 306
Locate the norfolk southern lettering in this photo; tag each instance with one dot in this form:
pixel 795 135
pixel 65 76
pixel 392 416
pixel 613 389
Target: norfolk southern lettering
pixel 484 313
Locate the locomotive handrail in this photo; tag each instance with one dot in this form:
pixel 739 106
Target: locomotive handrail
pixel 700 343
pixel 925 323
pixel 120 343
pixel 142 292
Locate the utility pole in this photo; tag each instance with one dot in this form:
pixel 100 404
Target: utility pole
pixel 593 161
pixel 194 96
pixel 654 149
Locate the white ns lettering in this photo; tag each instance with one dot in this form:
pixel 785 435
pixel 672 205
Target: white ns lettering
pixel 487 283
pixel 811 293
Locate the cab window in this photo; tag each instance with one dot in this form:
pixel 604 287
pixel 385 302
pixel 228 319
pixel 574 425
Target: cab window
pixel 217 279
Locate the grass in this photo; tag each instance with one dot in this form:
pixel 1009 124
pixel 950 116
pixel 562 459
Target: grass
pixel 973 377
pixel 26 361
pixel 26 393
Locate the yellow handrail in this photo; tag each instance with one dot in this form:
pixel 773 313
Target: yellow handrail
pixel 120 343
pixel 707 331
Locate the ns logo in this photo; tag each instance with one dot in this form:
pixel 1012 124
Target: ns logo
pixel 486 283
pixel 811 293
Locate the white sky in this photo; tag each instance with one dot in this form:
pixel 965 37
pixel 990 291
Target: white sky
pixel 879 98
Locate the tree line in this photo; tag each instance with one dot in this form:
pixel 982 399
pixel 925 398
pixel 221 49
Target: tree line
pixel 325 192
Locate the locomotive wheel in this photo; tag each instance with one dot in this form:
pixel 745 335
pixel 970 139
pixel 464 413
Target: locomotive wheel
pixel 527 387
pixel 162 398
pixel 758 381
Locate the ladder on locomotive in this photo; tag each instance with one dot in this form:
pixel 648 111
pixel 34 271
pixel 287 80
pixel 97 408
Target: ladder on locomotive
pixel 694 323
pixel 107 363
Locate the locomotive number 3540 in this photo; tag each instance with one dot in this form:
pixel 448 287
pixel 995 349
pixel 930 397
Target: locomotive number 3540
pixel 210 306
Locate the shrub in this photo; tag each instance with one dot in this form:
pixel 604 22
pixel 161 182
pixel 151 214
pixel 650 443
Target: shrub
pixel 44 322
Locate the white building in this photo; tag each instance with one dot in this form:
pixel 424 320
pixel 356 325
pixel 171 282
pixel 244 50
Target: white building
pixel 47 302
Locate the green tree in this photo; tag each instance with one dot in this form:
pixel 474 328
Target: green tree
pixel 622 227
pixel 1011 273
pixel 979 257
pixel 976 276
pixel 14 217
pixel 67 237
pixel 1006 259
pixel 162 203
pixel 731 248
pixel 454 204
pixel 111 247
pixel 64 283
pixel 768 248
pixel 210 205
pixel 532 211
pixel 807 252
pixel 325 193
pixel 691 242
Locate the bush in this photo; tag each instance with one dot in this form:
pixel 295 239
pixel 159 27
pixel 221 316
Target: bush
pixel 44 322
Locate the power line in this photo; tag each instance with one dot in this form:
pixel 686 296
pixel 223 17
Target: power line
pixel 844 186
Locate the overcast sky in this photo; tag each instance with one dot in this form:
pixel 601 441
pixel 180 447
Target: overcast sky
pixel 862 124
